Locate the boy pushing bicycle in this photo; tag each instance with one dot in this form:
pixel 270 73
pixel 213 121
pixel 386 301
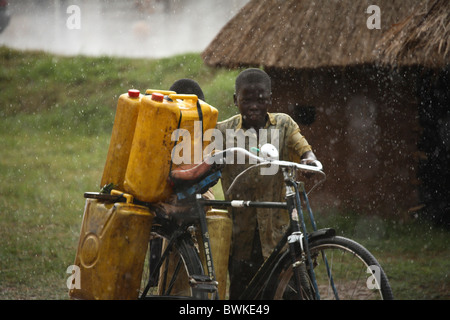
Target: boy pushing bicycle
pixel 256 231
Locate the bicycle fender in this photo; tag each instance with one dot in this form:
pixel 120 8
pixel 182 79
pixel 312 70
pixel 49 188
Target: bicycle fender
pixel 320 234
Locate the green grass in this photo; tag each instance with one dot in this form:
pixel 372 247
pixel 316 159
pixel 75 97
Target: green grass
pixel 56 116
pixel 43 176
pixel 415 254
pixel 82 87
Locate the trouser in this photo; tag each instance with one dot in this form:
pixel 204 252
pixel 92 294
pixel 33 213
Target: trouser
pixel 242 271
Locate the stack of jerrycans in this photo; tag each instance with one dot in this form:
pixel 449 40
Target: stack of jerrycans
pixel 159 124
pixel 114 236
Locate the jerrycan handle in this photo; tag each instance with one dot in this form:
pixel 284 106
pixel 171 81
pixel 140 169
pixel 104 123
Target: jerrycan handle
pixel 127 196
pixel 184 97
pixel 164 92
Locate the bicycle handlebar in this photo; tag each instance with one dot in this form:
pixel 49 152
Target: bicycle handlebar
pixel 304 167
pixel 218 158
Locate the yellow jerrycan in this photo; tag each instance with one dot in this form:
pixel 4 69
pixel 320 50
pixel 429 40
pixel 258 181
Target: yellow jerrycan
pixel 150 161
pixel 122 135
pixel 111 252
pixel 219 230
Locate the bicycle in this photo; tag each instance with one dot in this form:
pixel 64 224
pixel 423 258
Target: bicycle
pixel 304 265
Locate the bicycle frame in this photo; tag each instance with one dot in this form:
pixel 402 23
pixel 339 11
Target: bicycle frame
pixel 293 236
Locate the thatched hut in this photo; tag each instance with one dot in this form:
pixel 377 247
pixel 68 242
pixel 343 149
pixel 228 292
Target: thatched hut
pixel 422 40
pixel 361 119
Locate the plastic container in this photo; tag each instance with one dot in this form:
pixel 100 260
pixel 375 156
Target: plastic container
pixel 163 92
pixel 121 138
pixel 219 228
pixel 122 135
pixel 113 243
pixel 149 164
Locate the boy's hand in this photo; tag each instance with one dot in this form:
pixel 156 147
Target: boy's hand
pixel 311 162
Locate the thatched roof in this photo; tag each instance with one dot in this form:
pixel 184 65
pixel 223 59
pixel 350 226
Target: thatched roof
pixel 421 39
pixel 303 33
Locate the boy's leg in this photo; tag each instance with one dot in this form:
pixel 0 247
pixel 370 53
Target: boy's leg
pixel 241 272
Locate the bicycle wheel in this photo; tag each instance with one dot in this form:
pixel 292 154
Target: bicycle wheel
pixel 177 269
pixel 353 273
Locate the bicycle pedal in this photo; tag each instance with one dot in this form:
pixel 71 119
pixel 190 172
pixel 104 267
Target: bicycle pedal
pixel 203 283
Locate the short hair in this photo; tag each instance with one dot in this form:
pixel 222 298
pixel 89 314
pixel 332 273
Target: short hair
pixel 187 86
pixel 253 75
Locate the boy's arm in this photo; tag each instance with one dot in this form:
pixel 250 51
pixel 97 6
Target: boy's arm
pixel 299 149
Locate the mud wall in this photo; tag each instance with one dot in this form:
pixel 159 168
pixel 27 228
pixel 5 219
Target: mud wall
pixel 363 125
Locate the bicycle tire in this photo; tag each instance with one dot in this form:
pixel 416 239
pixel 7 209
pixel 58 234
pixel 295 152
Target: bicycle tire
pixel 348 262
pixel 173 284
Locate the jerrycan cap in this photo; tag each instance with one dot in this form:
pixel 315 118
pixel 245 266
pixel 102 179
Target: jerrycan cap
pixel 158 97
pixel 134 93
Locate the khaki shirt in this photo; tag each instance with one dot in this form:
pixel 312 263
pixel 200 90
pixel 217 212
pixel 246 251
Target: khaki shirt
pixel 282 131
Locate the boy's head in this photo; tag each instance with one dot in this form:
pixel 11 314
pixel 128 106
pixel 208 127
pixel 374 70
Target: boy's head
pixel 187 86
pixel 253 76
pixel 253 97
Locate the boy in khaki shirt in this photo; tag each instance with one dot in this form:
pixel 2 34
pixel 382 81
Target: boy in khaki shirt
pixel 256 231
